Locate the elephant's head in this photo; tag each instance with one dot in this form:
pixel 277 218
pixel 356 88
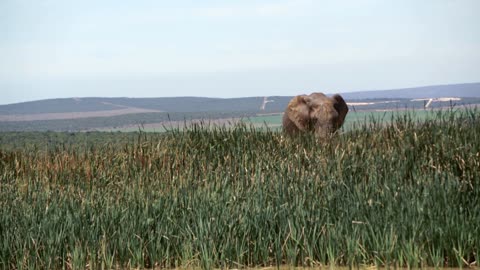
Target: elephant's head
pixel 315 113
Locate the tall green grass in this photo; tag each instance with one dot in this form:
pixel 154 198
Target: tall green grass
pixel 401 193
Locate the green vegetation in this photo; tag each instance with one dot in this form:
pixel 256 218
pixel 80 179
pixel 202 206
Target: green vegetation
pixel 120 121
pixel 402 193
pixel 354 119
pixel 45 141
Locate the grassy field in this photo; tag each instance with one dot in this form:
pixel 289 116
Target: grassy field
pixel 354 119
pixel 402 193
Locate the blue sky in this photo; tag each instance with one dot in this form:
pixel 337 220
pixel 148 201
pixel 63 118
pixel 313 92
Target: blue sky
pixel 62 48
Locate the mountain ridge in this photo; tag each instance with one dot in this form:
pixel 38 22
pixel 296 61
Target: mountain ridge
pixel 205 104
pixel 429 91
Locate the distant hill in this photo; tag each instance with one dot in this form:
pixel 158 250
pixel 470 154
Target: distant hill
pixel 94 113
pixel 202 104
pixel 435 91
pixel 168 104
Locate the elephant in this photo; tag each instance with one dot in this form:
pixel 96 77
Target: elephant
pixel 315 113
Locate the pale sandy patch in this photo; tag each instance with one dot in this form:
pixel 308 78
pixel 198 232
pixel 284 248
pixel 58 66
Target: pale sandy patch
pixel 73 115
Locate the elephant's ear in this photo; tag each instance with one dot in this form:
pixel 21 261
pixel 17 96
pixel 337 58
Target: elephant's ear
pixel 299 112
pixel 341 107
